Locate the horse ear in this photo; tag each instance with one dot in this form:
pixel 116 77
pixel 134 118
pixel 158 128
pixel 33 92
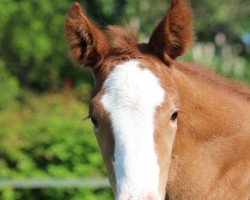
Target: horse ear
pixel 88 45
pixel 174 34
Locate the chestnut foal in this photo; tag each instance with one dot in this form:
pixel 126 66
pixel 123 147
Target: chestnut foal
pixel 166 129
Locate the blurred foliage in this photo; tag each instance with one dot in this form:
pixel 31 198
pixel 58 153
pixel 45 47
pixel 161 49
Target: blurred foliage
pixel 9 88
pixel 32 43
pixel 46 137
pixel 43 97
pixel 232 13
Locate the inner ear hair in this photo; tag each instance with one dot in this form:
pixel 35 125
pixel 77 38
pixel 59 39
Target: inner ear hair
pixel 88 44
pixel 174 34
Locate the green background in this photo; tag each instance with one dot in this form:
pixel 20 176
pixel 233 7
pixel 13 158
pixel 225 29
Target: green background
pixel 43 98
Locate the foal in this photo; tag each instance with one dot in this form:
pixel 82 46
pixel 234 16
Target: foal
pixel 166 129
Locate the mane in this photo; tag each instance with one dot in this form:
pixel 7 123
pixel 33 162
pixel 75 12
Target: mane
pixel 212 78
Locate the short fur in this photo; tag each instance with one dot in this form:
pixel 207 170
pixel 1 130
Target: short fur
pixel 211 150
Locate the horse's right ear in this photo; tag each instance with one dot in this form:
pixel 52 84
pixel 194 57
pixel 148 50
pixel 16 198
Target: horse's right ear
pixel 174 34
pixel 88 44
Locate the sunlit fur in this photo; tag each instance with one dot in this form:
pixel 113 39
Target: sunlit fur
pixel 204 154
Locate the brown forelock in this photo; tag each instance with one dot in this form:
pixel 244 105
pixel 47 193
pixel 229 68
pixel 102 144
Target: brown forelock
pixel 123 47
pixel 123 40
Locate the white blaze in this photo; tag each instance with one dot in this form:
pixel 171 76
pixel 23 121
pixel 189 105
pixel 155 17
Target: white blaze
pixel 131 97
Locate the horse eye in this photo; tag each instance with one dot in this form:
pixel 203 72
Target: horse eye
pixel 174 116
pixel 94 121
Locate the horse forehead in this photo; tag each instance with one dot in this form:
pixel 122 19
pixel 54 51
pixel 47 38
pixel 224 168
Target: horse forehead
pixel 132 83
pixel 131 95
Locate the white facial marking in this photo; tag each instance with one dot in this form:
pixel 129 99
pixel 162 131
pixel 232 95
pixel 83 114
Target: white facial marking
pixel 131 97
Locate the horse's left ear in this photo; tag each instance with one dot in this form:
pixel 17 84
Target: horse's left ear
pixel 174 34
